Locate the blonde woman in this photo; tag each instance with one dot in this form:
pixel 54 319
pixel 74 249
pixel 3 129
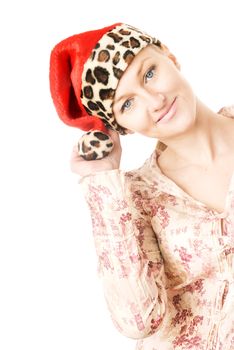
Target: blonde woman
pixel 164 233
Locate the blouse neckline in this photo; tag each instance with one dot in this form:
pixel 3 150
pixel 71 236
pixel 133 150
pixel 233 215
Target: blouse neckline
pixel 169 186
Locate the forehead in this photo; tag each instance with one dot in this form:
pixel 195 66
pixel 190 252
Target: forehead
pixel 133 70
pixel 150 50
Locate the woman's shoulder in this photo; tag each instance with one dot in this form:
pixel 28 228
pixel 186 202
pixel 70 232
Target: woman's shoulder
pixel 145 176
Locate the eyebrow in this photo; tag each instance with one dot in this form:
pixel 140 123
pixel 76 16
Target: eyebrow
pixel 138 73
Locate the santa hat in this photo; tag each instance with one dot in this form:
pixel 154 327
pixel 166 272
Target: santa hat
pixel 84 73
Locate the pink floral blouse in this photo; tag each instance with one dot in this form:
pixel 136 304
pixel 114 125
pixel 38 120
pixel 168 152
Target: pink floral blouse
pixel 166 261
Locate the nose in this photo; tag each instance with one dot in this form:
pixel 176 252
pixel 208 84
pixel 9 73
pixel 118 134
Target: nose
pixel 155 102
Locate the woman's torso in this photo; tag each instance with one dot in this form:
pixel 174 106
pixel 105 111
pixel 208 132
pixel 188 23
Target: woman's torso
pixel 197 249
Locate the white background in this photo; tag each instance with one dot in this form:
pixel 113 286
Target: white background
pixel 50 296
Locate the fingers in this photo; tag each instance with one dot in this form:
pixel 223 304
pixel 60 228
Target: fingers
pixel 115 138
pixel 113 134
pixel 75 149
pixel 75 153
pixel 75 157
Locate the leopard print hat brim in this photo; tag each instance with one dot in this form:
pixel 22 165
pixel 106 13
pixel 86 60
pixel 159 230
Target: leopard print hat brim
pixel 105 66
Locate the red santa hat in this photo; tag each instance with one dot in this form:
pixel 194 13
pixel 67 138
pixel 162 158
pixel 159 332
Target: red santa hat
pixel 84 73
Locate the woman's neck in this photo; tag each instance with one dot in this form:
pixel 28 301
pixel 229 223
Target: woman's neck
pixel 207 140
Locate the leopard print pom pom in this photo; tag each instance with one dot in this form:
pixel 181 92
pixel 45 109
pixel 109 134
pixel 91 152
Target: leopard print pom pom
pixel 95 145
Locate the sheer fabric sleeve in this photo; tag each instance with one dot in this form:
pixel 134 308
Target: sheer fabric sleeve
pixel 130 265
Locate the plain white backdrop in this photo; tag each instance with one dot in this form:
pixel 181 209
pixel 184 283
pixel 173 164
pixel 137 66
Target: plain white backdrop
pixel 50 296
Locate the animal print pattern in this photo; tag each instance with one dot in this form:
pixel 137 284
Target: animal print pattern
pixel 94 145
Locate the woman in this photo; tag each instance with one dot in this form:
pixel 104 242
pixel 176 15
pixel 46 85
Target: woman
pixel 164 232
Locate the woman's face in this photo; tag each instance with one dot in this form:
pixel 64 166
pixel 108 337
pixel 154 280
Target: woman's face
pixel 147 90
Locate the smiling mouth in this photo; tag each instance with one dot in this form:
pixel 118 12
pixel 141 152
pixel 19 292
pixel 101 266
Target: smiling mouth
pixel 169 114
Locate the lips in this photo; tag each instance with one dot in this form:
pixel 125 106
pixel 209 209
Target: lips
pixel 165 112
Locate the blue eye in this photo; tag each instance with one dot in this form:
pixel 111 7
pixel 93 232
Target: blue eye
pixel 126 105
pixel 150 73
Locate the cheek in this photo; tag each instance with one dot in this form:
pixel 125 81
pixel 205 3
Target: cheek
pixel 172 81
pixel 134 118
pixel 119 118
pixel 184 119
pixel 185 88
pixel 124 121
pixel 186 107
pixel 186 96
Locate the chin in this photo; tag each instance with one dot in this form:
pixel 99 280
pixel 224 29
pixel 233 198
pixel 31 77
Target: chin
pixel 179 127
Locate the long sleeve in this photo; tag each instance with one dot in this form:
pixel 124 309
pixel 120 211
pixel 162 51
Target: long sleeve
pixel 129 261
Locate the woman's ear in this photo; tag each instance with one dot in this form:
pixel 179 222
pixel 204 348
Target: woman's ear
pixel 173 58
pixel 164 49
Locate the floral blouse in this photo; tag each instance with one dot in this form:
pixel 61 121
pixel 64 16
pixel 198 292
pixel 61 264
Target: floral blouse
pixel 166 261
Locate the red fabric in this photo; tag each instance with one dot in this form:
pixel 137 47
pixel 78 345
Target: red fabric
pixel 66 66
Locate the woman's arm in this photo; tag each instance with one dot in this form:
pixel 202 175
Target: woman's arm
pixel 129 260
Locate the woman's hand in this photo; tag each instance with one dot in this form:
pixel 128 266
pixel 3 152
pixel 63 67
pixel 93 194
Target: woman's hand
pixel 85 167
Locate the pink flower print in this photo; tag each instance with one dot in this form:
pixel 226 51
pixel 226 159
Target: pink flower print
pixel 155 323
pixel 140 324
pixel 186 343
pixel 153 267
pixel 152 208
pixel 125 217
pixel 105 262
pixel 120 205
pixel 176 301
pixel 162 213
pixel 197 286
pixel 181 316
pixel 104 190
pixel 185 257
pixel 124 271
pixel 228 251
pixel 197 245
pixel 137 316
pixel 194 323
pixel 140 226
